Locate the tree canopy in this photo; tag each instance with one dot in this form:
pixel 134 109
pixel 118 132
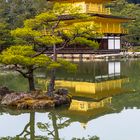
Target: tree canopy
pixel 5 36
pixel 130 10
pixel 49 28
pixel 44 31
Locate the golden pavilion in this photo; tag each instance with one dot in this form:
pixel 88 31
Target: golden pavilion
pixel 110 25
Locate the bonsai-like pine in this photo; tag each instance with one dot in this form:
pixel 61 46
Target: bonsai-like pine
pixel 48 30
pixel 23 61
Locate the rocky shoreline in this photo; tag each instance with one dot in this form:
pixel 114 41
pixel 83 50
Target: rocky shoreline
pixel 34 100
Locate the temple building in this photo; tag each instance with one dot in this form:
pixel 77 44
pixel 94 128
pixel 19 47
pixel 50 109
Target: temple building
pixel 109 25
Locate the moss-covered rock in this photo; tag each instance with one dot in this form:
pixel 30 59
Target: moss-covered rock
pixel 35 101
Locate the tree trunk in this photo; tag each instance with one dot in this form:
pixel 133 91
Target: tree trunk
pixel 31 80
pixel 31 83
pixel 54 53
pixel 51 86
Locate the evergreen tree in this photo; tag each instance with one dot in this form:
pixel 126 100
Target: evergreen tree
pixel 47 30
pixel 132 11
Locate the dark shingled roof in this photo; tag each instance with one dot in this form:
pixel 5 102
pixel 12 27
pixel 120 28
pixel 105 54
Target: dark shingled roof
pixel 86 1
pixel 111 16
pixel 71 17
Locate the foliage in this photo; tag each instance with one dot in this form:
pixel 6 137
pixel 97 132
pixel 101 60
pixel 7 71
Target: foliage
pixel 5 37
pixel 122 7
pixel 44 31
pixel 48 28
pixel 70 67
pixel 14 12
pixel 23 57
pixel 22 60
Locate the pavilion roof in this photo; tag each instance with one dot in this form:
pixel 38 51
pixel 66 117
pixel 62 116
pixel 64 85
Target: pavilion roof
pixel 71 17
pixel 86 1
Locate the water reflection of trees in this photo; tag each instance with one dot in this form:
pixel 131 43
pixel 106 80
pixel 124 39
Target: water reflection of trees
pixel 29 129
pixel 57 124
pixel 51 128
pixel 89 138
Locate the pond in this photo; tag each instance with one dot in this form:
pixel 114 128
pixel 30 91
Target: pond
pixel 105 104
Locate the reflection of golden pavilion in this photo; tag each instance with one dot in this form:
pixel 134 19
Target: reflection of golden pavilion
pixel 78 105
pixel 90 100
pixel 84 111
pixel 97 90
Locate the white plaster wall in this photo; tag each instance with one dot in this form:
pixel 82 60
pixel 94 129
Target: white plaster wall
pixel 114 43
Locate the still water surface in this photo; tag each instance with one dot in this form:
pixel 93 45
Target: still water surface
pixel 105 104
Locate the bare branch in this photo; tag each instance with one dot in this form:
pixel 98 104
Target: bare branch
pixel 39 53
pixel 67 41
pixel 64 45
pixel 57 23
pixel 20 71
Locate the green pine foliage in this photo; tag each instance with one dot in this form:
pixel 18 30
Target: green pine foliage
pixel 44 31
pixel 23 56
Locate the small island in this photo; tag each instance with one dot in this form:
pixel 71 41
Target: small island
pixel 33 100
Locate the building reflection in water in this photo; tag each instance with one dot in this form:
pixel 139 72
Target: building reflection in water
pixel 92 98
pixel 98 82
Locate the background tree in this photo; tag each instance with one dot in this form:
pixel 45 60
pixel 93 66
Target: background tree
pixel 122 7
pixel 5 36
pixel 14 12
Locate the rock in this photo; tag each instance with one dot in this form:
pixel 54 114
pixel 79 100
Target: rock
pixel 26 104
pixel 35 104
pixel 62 91
pixel 13 97
pixel 61 100
pixel 22 106
pixel 43 104
pixel 35 101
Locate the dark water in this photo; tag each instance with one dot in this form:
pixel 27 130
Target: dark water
pixel 105 105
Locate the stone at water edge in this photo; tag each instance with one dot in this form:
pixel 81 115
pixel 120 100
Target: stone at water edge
pixel 13 97
pixel 35 101
pixel 62 91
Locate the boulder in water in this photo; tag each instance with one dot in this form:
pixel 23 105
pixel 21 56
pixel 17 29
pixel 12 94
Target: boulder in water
pixel 9 99
pixel 62 91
